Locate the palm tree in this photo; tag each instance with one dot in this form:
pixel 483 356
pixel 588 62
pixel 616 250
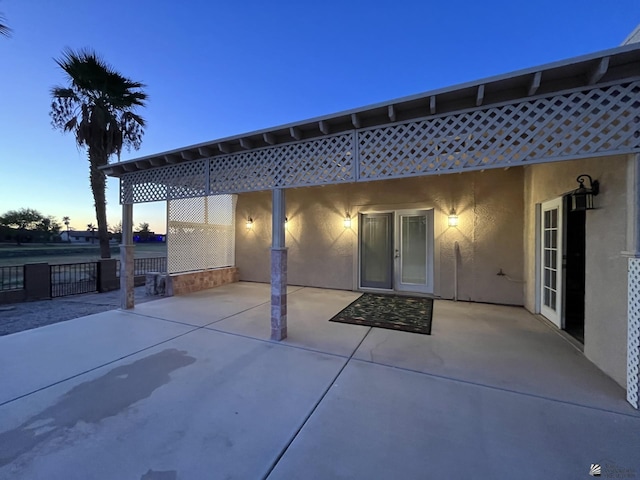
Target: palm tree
pixel 67 221
pixel 98 107
pixel 92 228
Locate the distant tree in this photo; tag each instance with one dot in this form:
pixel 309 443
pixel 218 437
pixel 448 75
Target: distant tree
pixel 143 231
pixel 117 228
pixel 23 219
pixel 49 226
pixel 92 228
pixel 4 29
pixel 98 107
pixel 67 221
pixel 116 231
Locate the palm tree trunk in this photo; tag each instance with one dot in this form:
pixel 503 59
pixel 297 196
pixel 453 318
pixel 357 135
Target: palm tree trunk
pixel 98 184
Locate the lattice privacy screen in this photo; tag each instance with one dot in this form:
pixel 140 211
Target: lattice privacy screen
pixel 633 338
pixel 574 124
pixel 201 233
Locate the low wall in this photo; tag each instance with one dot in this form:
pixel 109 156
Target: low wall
pixel 182 283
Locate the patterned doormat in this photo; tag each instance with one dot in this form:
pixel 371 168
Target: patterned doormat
pixel 408 314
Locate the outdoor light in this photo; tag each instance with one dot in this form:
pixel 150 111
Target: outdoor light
pixel 347 221
pixel 453 218
pixel 249 223
pixel 582 197
pixel 286 221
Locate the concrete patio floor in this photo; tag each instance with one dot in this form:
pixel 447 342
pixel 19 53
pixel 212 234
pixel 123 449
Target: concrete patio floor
pixel 191 388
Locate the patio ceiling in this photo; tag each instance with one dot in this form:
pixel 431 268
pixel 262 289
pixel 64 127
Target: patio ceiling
pixel 607 66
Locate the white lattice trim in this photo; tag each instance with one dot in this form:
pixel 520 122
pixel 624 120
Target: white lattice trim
pixel 314 162
pixel 599 121
pixel 633 336
pixel 579 123
pixel 183 180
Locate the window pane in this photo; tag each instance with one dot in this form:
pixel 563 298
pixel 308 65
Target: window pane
pixel 414 249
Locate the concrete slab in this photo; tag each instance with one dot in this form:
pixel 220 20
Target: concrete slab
pixel 383 422
pixel 308 312
pixel 209 306
pixel 504 347
pixel 34 359
pixel 205 405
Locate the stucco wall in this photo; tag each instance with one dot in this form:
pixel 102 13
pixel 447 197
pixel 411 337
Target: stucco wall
pixel 323 253
pixel 605 285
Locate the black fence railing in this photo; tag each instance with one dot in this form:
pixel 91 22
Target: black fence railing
pixel 12 278
pixel 73 279
pixel 143 265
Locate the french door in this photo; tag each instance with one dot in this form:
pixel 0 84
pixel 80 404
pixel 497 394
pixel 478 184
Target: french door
pixel 396 250
pixel 551 238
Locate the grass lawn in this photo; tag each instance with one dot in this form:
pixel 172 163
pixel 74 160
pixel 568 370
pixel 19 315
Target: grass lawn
pixel 68 253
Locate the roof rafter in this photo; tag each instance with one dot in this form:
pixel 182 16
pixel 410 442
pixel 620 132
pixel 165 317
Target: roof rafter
pixel 599 71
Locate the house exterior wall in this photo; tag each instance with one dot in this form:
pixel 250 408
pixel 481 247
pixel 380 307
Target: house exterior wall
pixel 606 266
pixel 323 253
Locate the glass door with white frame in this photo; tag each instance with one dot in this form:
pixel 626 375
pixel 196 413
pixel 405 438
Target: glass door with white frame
pixel 414 251
pixel 376 250
pixel 551 261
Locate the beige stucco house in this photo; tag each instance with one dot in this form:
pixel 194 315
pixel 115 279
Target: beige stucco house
pixel 461 193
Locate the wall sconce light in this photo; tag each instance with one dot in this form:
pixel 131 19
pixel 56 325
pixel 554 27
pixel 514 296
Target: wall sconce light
pixel 582 197
pixel 249 223
pixel 347 221
pixel 453 218
pixel 286 220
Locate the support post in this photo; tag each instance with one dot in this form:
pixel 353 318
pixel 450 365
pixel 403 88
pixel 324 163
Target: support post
pixel 126 259
pixel 278 268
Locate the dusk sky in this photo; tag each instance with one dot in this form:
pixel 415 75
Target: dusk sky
pixel 215 69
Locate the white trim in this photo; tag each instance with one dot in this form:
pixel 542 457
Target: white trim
pixel 551 314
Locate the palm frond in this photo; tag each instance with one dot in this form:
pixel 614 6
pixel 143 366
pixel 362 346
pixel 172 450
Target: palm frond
pixel 4 29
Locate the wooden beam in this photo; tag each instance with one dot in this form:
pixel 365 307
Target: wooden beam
pixel 324 127
pixel 295 133
pixel 157 162
pixel 480 96
pixel 269 138
pixel 224 148
pixel 187 156
pixel 535 83
pixel 130 167
pixel 205 151
pixel 599 71
pixel 170 159
pixel 432 104
pixel 246 143
pixel 355 120
pixel 392 113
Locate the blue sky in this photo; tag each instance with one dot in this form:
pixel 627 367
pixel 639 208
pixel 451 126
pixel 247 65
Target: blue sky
pixel 214 69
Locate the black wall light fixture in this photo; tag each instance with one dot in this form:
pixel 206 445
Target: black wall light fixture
pixel 582 197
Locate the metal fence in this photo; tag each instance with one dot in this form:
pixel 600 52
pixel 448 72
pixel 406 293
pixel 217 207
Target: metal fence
pixel 12 278
pixel 73 278
pixel 143 265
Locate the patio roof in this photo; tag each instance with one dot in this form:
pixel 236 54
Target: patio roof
pixel 611 65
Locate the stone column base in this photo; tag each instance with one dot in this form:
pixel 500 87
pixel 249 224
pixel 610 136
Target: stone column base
pixel 126 277
pixel 278 294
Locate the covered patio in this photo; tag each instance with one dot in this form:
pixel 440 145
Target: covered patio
pixel 193 387
pixel 466 192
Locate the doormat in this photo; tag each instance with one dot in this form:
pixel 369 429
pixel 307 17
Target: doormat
pixel 395 312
